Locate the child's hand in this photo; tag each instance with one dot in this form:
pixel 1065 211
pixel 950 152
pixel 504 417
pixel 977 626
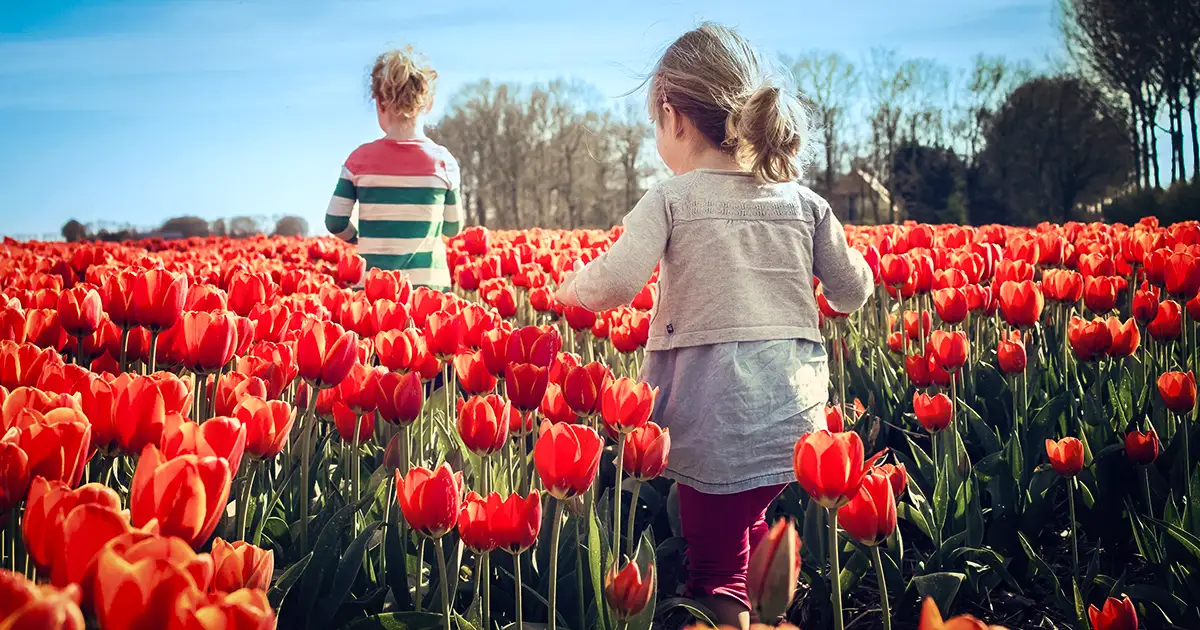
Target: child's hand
pixel 566 294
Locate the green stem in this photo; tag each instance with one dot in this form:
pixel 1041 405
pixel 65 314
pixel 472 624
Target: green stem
pixel 1145 473
pixel 579 571
pixel 556 530
pixel 520 599
pixel 835 571
pixel 153 352
pixel 633 506
pixel 485 574
pixel 441 558
pixel 124 348
pixel 883 594
pixel 305 483
pixel 355 450
pixel 616 529
pixel 1074 541
pixel 420 571
pixel 243 506
pixel 526 481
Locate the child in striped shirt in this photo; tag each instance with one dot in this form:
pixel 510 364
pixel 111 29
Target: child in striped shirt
pixel 406 185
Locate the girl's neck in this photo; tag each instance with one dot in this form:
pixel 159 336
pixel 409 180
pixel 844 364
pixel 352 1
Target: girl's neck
pixel 712 158
pixel 406 129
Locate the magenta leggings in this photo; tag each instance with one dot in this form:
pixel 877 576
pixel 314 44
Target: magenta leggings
pixel 721 531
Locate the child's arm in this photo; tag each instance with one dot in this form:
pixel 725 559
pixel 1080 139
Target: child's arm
pixel 618 275
pixel 341 206
pixel 452 213
pixel 845 276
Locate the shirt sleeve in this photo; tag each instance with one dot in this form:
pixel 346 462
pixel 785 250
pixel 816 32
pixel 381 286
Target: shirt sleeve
pixel 618 275
pixel 452 213
pixel 341 206
pixel 845 277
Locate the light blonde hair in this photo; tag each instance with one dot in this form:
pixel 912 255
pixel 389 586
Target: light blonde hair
pixel 717 79
pixel 403 82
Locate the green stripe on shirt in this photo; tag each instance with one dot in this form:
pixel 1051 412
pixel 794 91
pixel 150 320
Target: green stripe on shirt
pixel 425 260
pixel 397 229
pixel 336 224
pixel 345 189
pixel 451 197
pixel 416 196
pixel 450 229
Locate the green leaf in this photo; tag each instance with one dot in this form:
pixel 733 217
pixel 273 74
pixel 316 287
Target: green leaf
pixel 1043 569
pixel 596 568
pixel 325 555
pixel 399 621
pixel 815 532
pixel 987 437
pixel 284 584
pixel 397 566
pixel 343 579
pixel 942 587
pixel 1190 542
pixel 920 461
pixel 696 609
pixel 280 488
pixel 912 515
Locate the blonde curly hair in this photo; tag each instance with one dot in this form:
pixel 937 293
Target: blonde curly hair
pixel 403 82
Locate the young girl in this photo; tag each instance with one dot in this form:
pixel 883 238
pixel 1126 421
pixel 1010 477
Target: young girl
pixel 734 347
pixel 406 185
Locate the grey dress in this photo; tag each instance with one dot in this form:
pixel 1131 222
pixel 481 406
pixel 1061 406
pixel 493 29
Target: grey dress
pixel 736 409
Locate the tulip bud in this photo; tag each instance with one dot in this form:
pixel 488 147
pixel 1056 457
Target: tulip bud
pixel 627 592
pixel 774 571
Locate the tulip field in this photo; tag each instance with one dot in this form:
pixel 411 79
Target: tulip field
pixel 261 433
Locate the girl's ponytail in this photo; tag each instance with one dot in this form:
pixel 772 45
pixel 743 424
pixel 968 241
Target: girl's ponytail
pixel 770 131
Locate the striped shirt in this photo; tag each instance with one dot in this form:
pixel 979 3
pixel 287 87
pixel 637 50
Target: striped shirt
pixel 407 195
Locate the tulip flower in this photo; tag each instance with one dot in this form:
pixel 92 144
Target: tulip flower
pixel 870 517
pixel 931 619
pixel 774 571
pixel 14 477
pixel 627 592
pixel 583 387
pixel 157 299
pixel 830 466
pixel 951 304
pixel 63 528
pixel 897 475
pixel 563 363
pixel 1021 303
pixel 430 500
pixel 473 375
pixel 1066 456
pixel 222 437
pixel 352 427
pixel 933 412
pixel 626 405
pixel 143 593
pixel 241 565
pixel 1100 294
pixel 387 285
pixel 42 329
pixel 244 609
pixel 525 384
pixel 895 342
pixel 474 523
pixel 515 522
pixel 1010 354
pixel 351 269
pixel 950 349
pixel 199 488
pixel 1117 614
pixel 1182 275
pixel 25 605
pixel 444 335
pixel 395 350
pixel 209 340
pixel 80 310
pixel 534 345
pixel 325 353
pixel 1178 391
pixel 554 407
pixel 1145 306
pixel 1125 337
pixel 140 412
pixel 895 270
pixel 399 397
pixel 1141 448
pixel 1167 324
pixel 646 452
pixel 234 387
pixel 834 419
pixel 1089 339
pixel 567 458
pixel 267 423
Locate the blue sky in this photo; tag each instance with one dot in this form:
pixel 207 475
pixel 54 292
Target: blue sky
pixel 138 111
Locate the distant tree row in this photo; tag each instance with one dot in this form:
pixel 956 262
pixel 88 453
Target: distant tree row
pixel 188 227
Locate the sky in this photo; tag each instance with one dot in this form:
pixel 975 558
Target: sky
pixel 138 111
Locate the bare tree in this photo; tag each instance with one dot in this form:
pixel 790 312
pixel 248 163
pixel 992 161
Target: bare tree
pixel 829 82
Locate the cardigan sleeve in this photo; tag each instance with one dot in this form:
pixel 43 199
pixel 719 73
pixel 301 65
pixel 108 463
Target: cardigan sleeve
pixel 618 275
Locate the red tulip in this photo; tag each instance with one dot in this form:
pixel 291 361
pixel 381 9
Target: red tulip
pixel 25 605
pixel 267 425
pixel 1010 354
pixel 80 311
pixel 244 609
pixel 579 318
pixel 358 315
pixel 895 342
pixel 896 270
pixel 1066 456
pixel 951 304
pixel 387 285
pixel 209 340
pixel 473 375
pixel 933 412
pixel 218 437
pixel 203 297
pixel 830 466
pixel 1125 337
pixel 483 424
pixel 1182 275
pixel 56 442
pixel 430 500
pixel 554 406
pixel 627 592
pixel 1117 614
pixel 12 324
pixel 358 389
pixel 14 477
pixel 248 291
pixel 351 269
pixel 48 534
pixel 234 387
pixel 399 397
pixel 1141 448
pixel 187 494
pixel 897 475
pixel 515 522
pixel 1021 303
pixel 931 619
pixel 1167 325
pixel 1145 306
pixel 1089 339
pixel 567 457
pixel 626 405
pixel 583 386
pixel 774 570
pixel 325 353
pixel 917 324
pixel 534 345
pixel 1178 391
pixel 43 329
pixel 646 451
pixel 834 419
pixel 525 385
pixel 950 349
pixel 157 299
pixel 395 350
pixel 140 594
pixel 241 565
pixel 143 404
pixel 870 517
pixel 1100 294
pixel 474 526
pixel 1013 271
pixel 444 335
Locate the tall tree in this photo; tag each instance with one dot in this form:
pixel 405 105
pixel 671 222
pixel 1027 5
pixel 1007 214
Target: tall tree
pixel 829 82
